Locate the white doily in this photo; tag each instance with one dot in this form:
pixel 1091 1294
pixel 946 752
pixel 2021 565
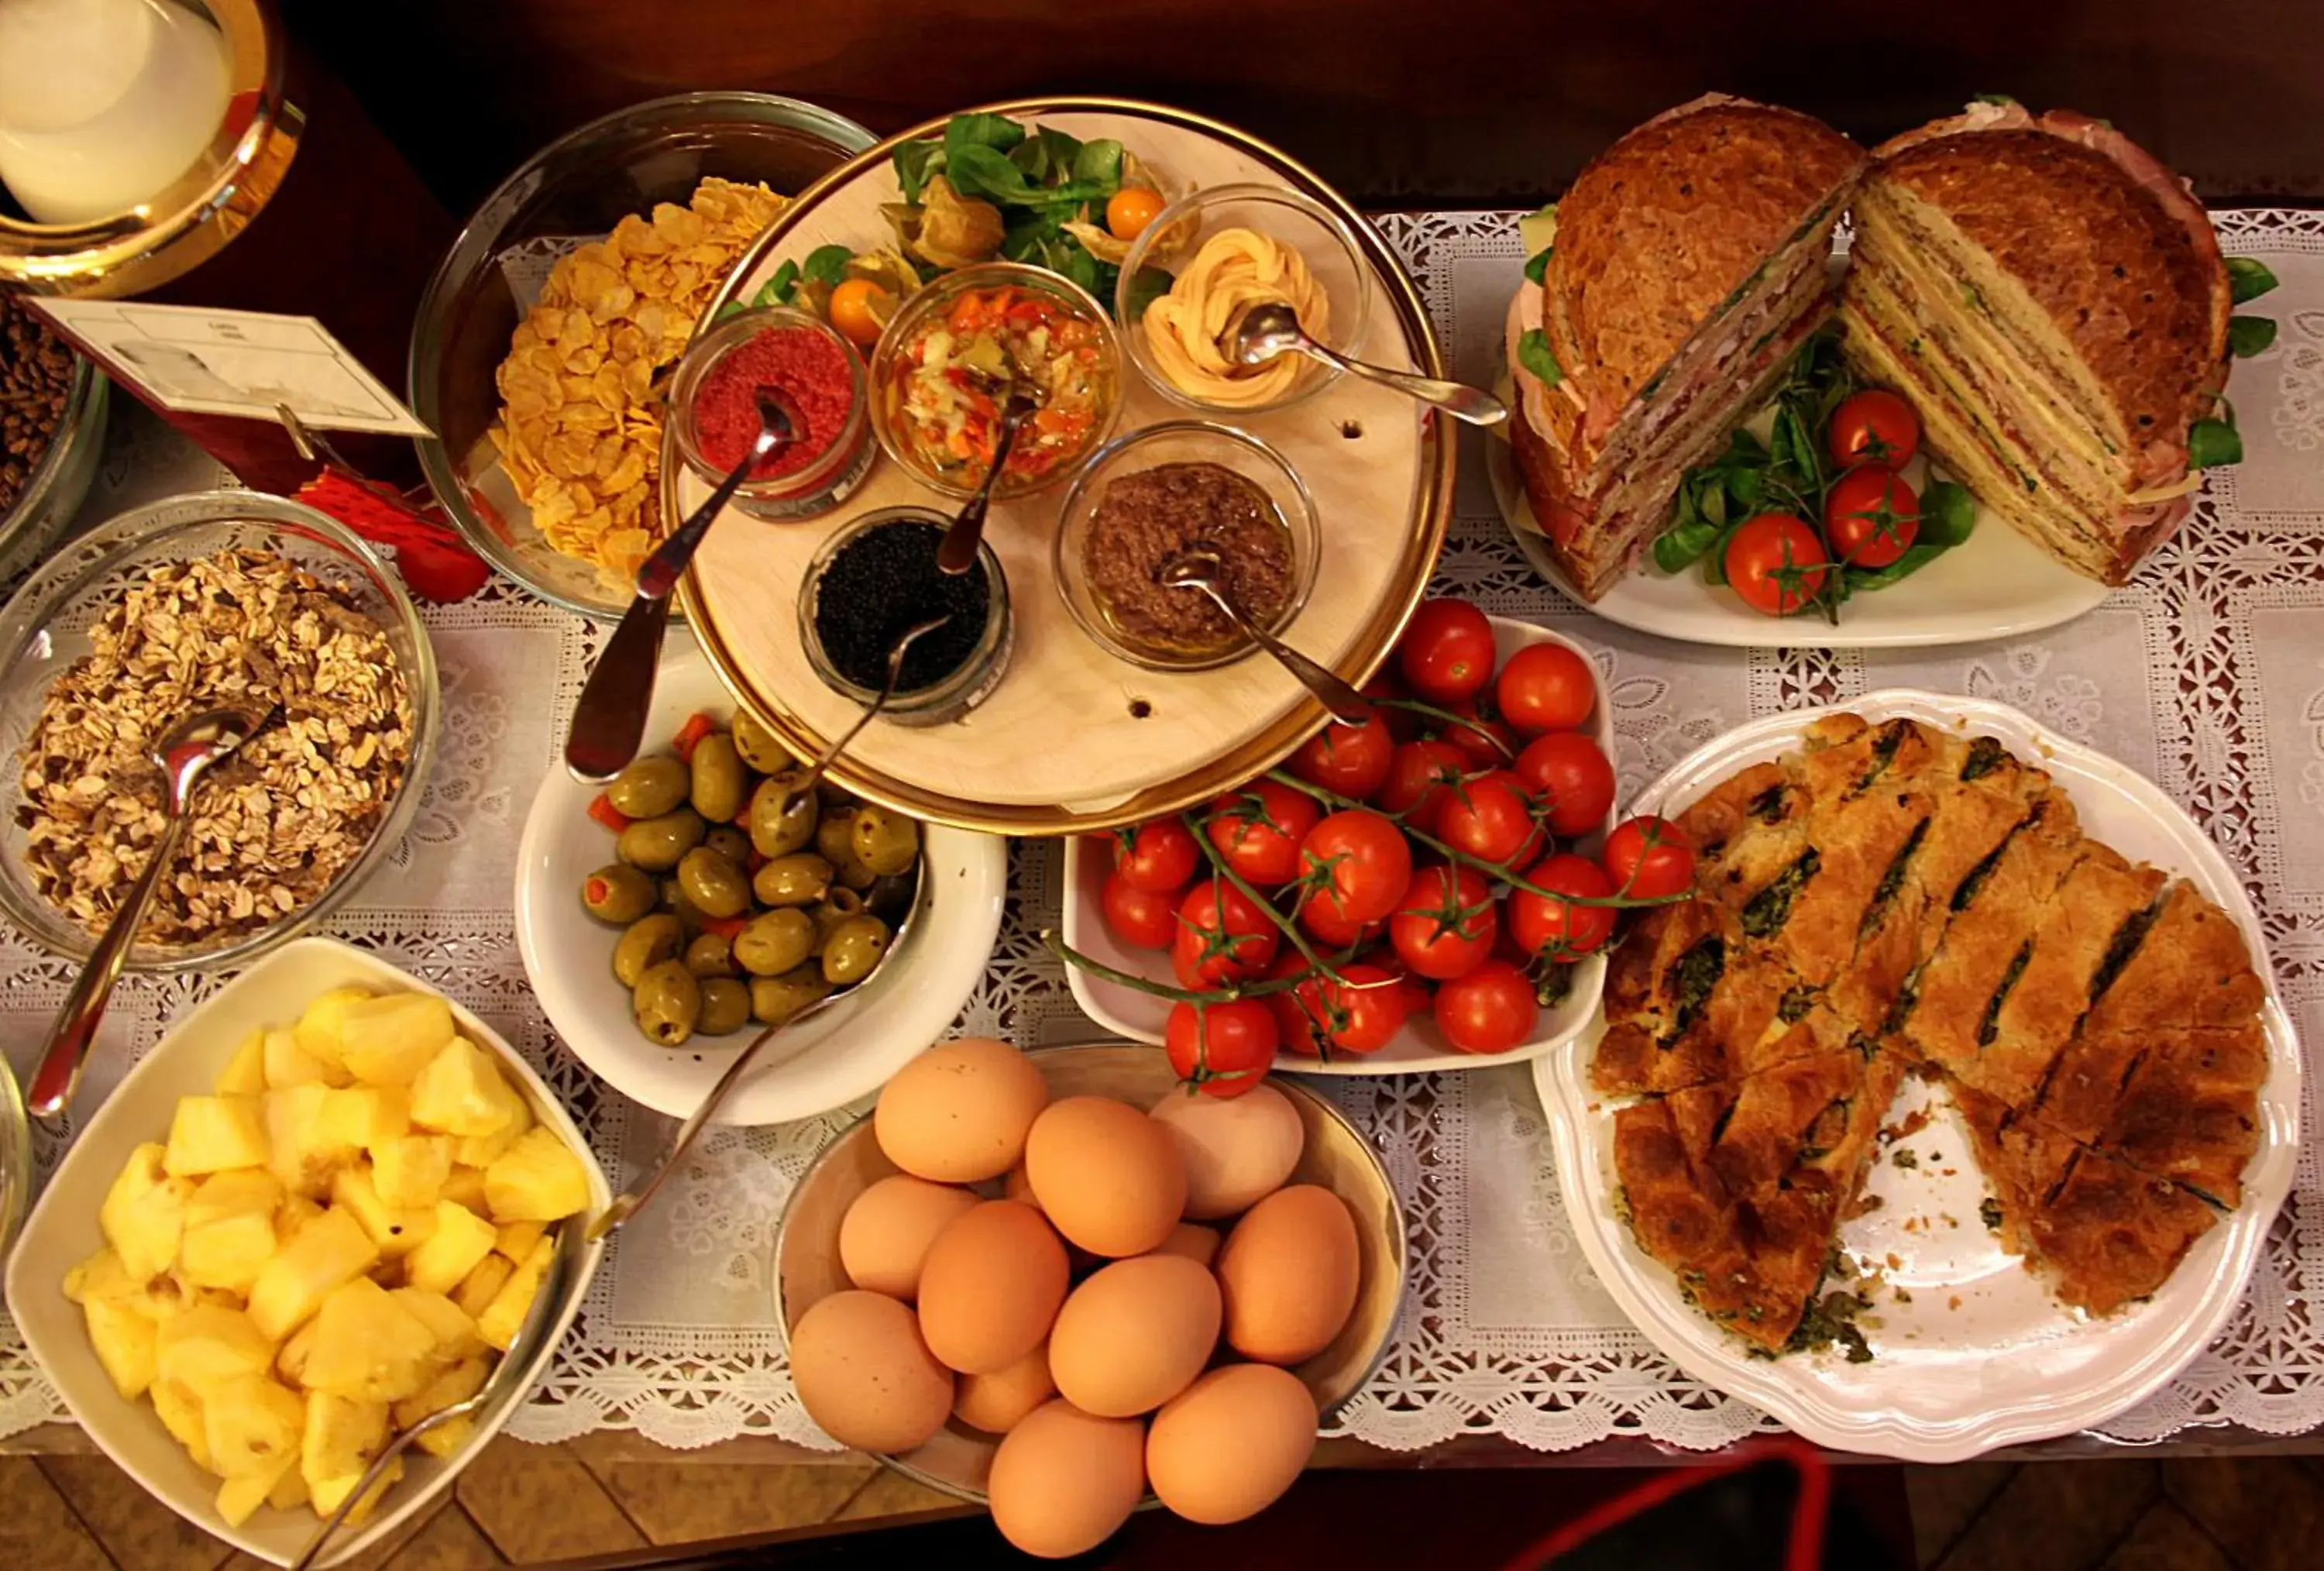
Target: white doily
pixel 2208 672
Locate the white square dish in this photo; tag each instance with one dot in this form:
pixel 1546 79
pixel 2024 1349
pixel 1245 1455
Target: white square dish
pixel 63 1231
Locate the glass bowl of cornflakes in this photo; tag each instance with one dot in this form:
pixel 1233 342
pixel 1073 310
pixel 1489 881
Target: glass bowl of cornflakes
pixel 544 344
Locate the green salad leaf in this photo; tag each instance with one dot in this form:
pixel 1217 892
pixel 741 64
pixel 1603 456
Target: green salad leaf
pixel 997 132
pixel 2249 278
pixel 777 290
pixel 1537 265
pixel 915 163
pixel 1047 154
pixel 1535 355
pixel 1099 163
pixel 2212 444
pixel 1948 514
pixel 829 263
pixel 2249 335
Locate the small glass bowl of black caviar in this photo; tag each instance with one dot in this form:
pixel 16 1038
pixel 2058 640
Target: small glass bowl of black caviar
pixel 876 578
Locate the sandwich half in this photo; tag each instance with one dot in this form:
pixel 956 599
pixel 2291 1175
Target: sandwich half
pixel 1688 261
pixel 2051 302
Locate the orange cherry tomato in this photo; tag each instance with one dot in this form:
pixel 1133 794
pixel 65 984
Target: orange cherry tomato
pixel 1130 209
pixel 852 310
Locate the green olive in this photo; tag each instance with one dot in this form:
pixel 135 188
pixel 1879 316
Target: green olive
pixel 668 1000
pixel 855 946
pixel 719 780
pixel 657 843
pixel 800 879
pixel 775 941
pixel 712 885
pixel 839 906
pixel 730 843
pixel 857 875
pixel 835 837
pixel 775 999
pixel 725 1006
pixel 618 895
pixel 776 830
pixel 884 841
pixel 759 748
pixel 649 941
pixel 710 956
pixel 649 787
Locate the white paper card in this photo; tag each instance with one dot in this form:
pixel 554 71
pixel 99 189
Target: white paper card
pixel 199 361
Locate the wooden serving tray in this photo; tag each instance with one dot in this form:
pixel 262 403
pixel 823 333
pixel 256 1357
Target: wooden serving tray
pixel 1074 739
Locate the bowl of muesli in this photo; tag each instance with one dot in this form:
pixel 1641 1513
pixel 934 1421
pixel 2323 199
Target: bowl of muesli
pixel 225 596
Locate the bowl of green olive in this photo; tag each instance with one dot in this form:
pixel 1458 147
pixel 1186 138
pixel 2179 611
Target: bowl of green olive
pixel 699 897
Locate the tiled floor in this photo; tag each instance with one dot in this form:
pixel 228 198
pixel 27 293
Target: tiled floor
pixel 2254 1513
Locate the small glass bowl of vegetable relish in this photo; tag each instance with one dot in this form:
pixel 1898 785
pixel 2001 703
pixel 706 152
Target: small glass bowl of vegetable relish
pixel 943 367
pixel 713 398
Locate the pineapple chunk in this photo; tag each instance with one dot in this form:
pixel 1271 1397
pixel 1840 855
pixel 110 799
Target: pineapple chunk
pixel 210 1135
pixel 330 1492
pixel 246 1072
pixel 410 1169
pixel 480 1151
pixel 504 1316
pixel 461 1092
pixel 102 1276
pixel 307 1147
pixel 253 1428
pixel 288 1064
pixel 229 1253
pixel 537 1179
pixel 456 1384
pixel 292 1361
pixel 396 1230
pixel 481 1285
pixel 245 1191
pixel 208 1345
pixel 465 1187
pixel 238 1498
pixel 180 1412
pixel 367 1346
pixel 329 1251
pixel 318 1028
pixel 124 1342
pixel 293 1218
pixel 387 1042
pixel 290 1491
pixel 516 1239
pixel 453 1327
pixel 143 1215
pixel 338 1443
pixel 461 1240
pixel 367 1115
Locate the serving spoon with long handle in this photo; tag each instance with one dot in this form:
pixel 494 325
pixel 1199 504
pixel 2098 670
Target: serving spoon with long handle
pixel 609 722
pixel 957 553
pixel 186 753
pixel 1201 568
pixel 502 1385
pixel 1264 332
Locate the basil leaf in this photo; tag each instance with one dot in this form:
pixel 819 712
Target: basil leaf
pixel 1150 284
pixel 996 132
pixel 2249 278
pixel 913 168
pixel 829 263
pixel 2212 444
pixel 1537 265
pixel 2249 335
pixel 777 290
pixel 1099 163
pixel 1535 355
pixel 1948 514
pixel 1677 549
pixel 1918 555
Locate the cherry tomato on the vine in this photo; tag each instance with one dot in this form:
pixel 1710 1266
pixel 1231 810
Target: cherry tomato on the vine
pixel 1419 774
pixel 1559 928
pixel 1402 725
pixel 1349 760
pixel 1485 739
pixel 1546 687
pixel 1777 564
pixel 1491 818
pixel 1571 779
pixel 1222 936
pixel 1358 862
pixel 1444 925
pixel 1223 1049
pixel 1648 857
pixel 1446 652
pixel 1874 427
pixel 1322 923
pixel 1258 829
pixel 1159 855
pixel 1489 1009
pixel 1140 918
pixel 1870 517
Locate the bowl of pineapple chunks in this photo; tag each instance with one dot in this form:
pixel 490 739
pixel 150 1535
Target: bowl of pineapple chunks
pixel 319 1209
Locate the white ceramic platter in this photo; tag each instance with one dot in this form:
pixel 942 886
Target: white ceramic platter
pixel 844 1052
pixel 1419 1048
pixel 1973 1352
pixel 63 1232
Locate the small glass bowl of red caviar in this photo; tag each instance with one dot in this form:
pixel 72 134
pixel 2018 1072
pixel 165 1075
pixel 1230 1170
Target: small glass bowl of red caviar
pixel 714 411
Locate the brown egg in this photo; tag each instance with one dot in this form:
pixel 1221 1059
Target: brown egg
pixel 1135 1335
pixel 997 1403
pixel 1195 1242
pixel 991 1286
pixel 1062 1480
pixel 1231 1444
pixel 1238 1151
pixel 864 1374
pixel 887 1232
pixel 1018 1187
pixel 1108 1178
pixel 958 1112
pixel 1288 1272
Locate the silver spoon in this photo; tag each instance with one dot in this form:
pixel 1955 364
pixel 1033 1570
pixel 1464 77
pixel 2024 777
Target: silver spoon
pixel 501 1386
pixel 897 901
pixel 186 753
pixel 821 766
pixel 1261 333
pixel 1201 568
pixel 610 721
pixel 957 554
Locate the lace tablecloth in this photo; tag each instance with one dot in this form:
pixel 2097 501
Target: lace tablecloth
pixel 2206 673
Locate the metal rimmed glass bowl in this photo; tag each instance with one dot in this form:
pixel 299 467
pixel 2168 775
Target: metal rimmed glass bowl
pixel 929 309
pixel 825 481
pixel 949 697
pixel 572 190
pixel 1320 236
pixel 1189 442
pixel 45 629
pixel 60 482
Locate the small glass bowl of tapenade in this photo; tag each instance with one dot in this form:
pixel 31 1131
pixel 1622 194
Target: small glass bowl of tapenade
pixel 1151 497
pixel 716 415
pixel 877 578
